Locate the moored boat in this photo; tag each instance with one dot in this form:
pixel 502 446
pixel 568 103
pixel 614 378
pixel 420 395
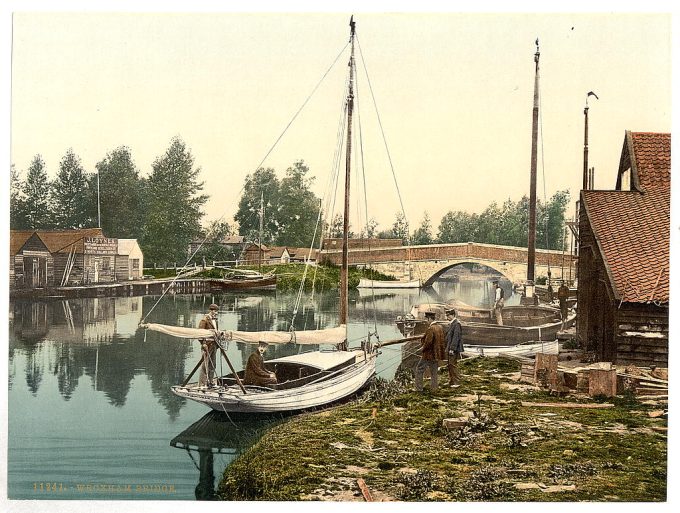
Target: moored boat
pixel 385 284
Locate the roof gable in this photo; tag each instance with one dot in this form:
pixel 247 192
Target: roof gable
pixel 648 157
pixel 632 231
pixel 17 238
pixel 60 241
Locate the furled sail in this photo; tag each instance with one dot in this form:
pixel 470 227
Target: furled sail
pixel 328 336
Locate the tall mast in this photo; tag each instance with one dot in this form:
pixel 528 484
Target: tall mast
pixel 348 160
pixel 261 230
pixel 586 171
pixel 531 257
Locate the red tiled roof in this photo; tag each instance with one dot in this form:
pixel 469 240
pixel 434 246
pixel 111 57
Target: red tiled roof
pixel 633 233
pixel 652 154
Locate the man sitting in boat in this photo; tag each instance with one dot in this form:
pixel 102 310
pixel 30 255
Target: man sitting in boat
pixel 256 374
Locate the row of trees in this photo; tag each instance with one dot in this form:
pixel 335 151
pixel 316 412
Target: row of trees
pixel 164 210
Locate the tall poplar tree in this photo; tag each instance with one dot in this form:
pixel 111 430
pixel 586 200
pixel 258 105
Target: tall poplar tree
pixel 36 196
pixel 173 205
pixel 120 194
pixel 71 194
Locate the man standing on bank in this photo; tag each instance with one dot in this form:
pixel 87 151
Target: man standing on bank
pixel 454 347
pixel 432 345
pixel 563 295
pixel 208 348
pixel 499 302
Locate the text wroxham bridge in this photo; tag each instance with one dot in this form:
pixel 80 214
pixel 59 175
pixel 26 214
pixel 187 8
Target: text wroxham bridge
pixel 431 261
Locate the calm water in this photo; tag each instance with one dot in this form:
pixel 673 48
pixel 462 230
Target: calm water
pixel 91 414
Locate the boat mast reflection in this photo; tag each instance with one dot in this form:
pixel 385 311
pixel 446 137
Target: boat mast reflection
pixel 217 433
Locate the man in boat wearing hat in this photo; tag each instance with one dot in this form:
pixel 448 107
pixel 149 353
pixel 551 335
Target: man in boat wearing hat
pixel 433 350
pixel 256 374
pixel 454 347
pixel 208 348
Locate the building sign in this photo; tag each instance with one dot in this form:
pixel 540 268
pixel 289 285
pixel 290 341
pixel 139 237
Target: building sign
pixel 100 246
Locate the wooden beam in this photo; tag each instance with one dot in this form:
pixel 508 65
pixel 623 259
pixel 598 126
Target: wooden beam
pixel 567 405
pixel 364 490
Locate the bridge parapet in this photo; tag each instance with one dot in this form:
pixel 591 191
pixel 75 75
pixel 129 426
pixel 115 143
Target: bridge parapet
pixel 429 261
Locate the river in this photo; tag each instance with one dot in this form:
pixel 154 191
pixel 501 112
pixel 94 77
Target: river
pixel 91 414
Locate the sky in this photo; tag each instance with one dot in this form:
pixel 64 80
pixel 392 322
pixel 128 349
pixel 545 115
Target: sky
pixel 454 91
pixel 454 95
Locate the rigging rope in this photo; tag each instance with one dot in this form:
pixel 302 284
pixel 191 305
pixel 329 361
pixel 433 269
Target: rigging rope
pixel 243 187
pixel 545 196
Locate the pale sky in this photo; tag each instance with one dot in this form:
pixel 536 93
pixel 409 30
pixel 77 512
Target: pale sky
pixel 454 93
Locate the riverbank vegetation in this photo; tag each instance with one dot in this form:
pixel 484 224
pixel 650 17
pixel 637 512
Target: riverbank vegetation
pixel 393 438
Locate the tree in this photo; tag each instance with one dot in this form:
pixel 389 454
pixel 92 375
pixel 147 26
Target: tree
pixel 291 208
pixel 457 227
pixel 36 196
pixel 212 248
pixel 423 234
pixel 298 209
pixel 400 228
pixel 370 230
pixel 174 202
pixel 261 186
pixel 17 201
pixel 120 199
pixel 71 194
pixel 550 221
pixel 335 230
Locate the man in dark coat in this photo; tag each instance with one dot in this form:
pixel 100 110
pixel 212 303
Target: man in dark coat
pixel 208 348
pixel 256 374
pixel 563 295
pixel 432 349
pixel 454 347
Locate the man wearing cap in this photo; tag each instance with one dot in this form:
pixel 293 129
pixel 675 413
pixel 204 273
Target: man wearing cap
pixel 256 374
pixel 454 347
pixel 432 344
pixel 208 348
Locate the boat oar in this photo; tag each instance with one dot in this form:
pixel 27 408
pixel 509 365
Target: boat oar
pixel 400 340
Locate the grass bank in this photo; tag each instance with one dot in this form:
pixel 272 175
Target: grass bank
pixel 320 277
pixel 392 437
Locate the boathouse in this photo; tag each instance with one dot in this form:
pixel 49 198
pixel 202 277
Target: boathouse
pixel 253 253
pixel 31 263
pixel 624 257
pixel 129 260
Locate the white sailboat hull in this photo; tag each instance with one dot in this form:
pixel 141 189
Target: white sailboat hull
pixel 377 284
pixel 231 399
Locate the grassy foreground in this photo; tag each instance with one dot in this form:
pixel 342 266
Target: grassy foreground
pixel 393 438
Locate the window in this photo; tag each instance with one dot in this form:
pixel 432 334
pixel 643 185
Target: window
pixel 106 263
pixel 135 264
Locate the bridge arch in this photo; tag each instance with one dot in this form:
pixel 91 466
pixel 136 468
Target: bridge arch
pixel 447 266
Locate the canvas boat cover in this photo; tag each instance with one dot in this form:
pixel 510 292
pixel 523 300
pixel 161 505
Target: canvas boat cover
pixel 327 336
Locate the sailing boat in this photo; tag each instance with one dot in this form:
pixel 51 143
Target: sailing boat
pixel 306 380
pixel 523 323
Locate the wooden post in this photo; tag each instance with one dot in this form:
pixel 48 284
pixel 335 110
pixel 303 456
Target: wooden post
pixel 602 382
pixel 545 369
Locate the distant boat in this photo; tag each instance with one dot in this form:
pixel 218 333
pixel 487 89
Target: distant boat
pixel 521 324
pixel 237 279
pixel 386 284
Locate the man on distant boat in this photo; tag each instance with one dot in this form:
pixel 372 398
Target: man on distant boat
pixel 432 350
pixel 256 374
pixel 454 347
pixel 499 302
pixel 563 295
pixel 208 348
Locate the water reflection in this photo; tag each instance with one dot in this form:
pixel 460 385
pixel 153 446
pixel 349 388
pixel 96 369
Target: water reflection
pixel 217 433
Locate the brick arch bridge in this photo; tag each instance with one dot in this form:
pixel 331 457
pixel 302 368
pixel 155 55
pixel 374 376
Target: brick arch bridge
pixel 431 261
